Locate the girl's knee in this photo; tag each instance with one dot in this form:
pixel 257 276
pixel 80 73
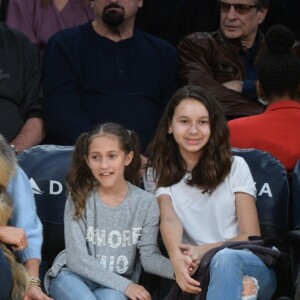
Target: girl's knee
pixel 107 293
pixel 224 257
pixel 250 288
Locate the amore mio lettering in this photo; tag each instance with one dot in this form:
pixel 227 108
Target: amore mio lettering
pixel 113 239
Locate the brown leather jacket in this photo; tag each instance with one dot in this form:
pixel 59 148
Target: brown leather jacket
pixel 210 59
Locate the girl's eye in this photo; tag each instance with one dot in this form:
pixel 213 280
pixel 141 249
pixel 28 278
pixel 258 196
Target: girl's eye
pixel 112 155
pixel 94 157
pixel 184 121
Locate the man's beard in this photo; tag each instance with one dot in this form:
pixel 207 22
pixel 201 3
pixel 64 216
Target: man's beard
pixel 112 17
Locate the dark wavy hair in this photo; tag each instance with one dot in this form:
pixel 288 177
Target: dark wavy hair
pixel 278 68
pixel 163 151
pixel 80 179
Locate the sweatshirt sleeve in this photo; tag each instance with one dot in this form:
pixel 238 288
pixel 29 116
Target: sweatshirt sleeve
pixel 80 261
pixel 152 260
pixel 24 215
pixel 241 177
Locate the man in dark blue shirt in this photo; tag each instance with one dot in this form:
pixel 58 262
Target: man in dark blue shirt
pixel 106 70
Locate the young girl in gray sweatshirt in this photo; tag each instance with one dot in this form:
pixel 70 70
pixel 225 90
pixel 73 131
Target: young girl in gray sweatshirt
pixel 111 225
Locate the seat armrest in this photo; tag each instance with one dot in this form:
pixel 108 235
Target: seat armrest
pixel 294 236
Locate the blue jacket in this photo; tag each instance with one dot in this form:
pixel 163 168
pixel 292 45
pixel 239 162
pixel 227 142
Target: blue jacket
pixel 24 215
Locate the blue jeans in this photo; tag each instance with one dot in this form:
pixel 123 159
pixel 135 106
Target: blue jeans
pixel 69 286
pixel 227 269
pixel 6 282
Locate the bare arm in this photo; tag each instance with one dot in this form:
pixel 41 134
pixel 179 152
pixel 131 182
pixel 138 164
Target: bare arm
pixel 31 134
pixel 171 231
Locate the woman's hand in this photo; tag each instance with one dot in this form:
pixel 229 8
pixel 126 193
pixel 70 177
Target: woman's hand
pixel 137 292
pixel 35 293
pixel 16 237
pixel 196 253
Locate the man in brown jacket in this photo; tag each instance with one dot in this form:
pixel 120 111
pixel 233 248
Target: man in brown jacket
pixel 224 61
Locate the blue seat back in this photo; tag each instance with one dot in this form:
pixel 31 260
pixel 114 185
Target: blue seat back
pixel 296 196
pixel 272 192
pixel 46 167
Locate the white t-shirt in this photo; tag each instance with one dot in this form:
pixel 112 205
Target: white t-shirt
pixel 210 218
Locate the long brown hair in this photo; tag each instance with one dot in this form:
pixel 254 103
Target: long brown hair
pixel 164 155
pixel 80 180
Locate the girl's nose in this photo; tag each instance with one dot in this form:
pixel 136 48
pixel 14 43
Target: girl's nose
pixel 103 163
pixel 193 128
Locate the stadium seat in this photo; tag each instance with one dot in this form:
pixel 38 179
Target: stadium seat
pixel 46 167
pixel 273 200
pixel 296 196
pixel 272 192
pixel 294 235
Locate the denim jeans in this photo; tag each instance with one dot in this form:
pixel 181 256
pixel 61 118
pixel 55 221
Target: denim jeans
pixel 69 286
pixel 227 269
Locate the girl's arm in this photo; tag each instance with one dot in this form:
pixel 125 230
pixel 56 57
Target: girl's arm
pixel 248 226
pixel 171 231
pixel 247 216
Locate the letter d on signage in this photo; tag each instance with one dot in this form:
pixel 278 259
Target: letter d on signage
pixel 55 187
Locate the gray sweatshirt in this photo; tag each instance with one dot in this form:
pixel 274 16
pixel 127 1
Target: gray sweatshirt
pixel 103 246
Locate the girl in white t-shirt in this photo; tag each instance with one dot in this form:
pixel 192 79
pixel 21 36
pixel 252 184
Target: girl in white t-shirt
pixel 206 197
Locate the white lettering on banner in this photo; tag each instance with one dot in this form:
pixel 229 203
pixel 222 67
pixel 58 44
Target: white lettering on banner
pixel 35 188
pixel 265 190
pixel 55 188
